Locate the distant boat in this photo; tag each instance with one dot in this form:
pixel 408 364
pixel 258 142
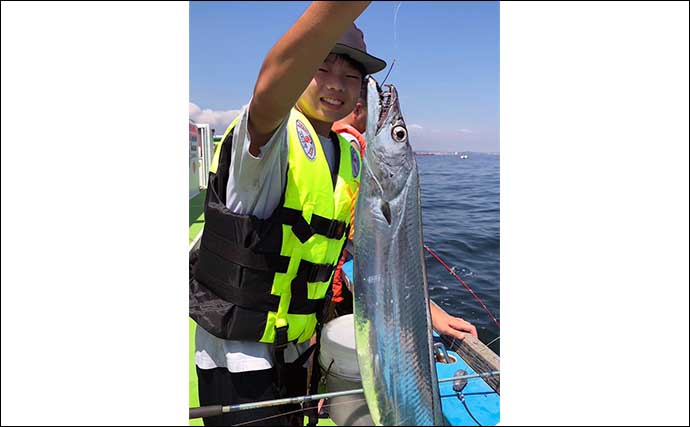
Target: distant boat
pixel 463 156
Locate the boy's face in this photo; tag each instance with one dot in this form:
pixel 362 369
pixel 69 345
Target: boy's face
pixel 332 93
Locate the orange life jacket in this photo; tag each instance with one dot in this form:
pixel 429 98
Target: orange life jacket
pixel 337 281
pixel 341 127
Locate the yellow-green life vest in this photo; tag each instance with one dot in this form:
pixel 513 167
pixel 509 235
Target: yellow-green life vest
pixel 255 277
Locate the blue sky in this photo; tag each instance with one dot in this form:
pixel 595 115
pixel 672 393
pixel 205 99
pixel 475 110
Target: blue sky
pixel 446 71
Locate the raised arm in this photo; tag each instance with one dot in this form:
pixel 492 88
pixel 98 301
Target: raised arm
pixel 292 62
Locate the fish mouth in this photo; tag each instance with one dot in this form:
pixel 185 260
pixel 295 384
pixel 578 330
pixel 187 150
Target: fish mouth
pixel 388 101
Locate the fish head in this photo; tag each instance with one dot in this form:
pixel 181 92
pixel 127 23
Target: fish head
pixel 389 155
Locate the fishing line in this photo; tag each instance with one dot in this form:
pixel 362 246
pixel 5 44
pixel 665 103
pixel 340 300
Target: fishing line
pixel 343 393
pixel 458 387
pixel 462 399
pixel 395 26
pixel 493 340
pixel 463 283
pixel 215 410
pixel 388 73
pixel 395 40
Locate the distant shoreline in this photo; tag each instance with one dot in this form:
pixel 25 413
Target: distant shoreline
pixel 453 153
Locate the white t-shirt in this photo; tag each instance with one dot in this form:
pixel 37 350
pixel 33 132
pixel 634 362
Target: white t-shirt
pixel 255 185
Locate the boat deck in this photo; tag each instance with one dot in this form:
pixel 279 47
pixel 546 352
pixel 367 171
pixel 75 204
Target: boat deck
pixel 481 397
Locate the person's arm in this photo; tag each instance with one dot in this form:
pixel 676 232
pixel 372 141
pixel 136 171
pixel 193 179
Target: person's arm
pixel 291 63
pixel 445 324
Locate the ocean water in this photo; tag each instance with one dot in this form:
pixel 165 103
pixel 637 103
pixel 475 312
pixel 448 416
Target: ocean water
pixel 460 215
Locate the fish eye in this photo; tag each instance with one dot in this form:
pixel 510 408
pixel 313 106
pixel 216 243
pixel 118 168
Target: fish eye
pixel 399 133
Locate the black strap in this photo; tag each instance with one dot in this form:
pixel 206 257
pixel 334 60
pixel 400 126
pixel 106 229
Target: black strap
pixel 308 272
pixel 330 228
pixel 311 272
pixel 218 181
pixel 243 256
pixel 312 408
pixel 258 299
pixel 304 356
pixel 279 344
pixel 251 299
pixel 280 341
pixel 336 161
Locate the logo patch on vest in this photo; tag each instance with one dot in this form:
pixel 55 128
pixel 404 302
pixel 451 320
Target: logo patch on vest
pixel 355 162
pixel 306 141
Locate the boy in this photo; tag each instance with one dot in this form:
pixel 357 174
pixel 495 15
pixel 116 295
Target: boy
pixel 277 214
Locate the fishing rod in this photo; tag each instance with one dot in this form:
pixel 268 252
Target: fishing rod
pixel 215 410
pixel 296 411
pixel 451 271
pixel 470 376
pixel 395 41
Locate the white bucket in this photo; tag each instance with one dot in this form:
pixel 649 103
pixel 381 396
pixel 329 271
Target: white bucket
pixel 339 353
